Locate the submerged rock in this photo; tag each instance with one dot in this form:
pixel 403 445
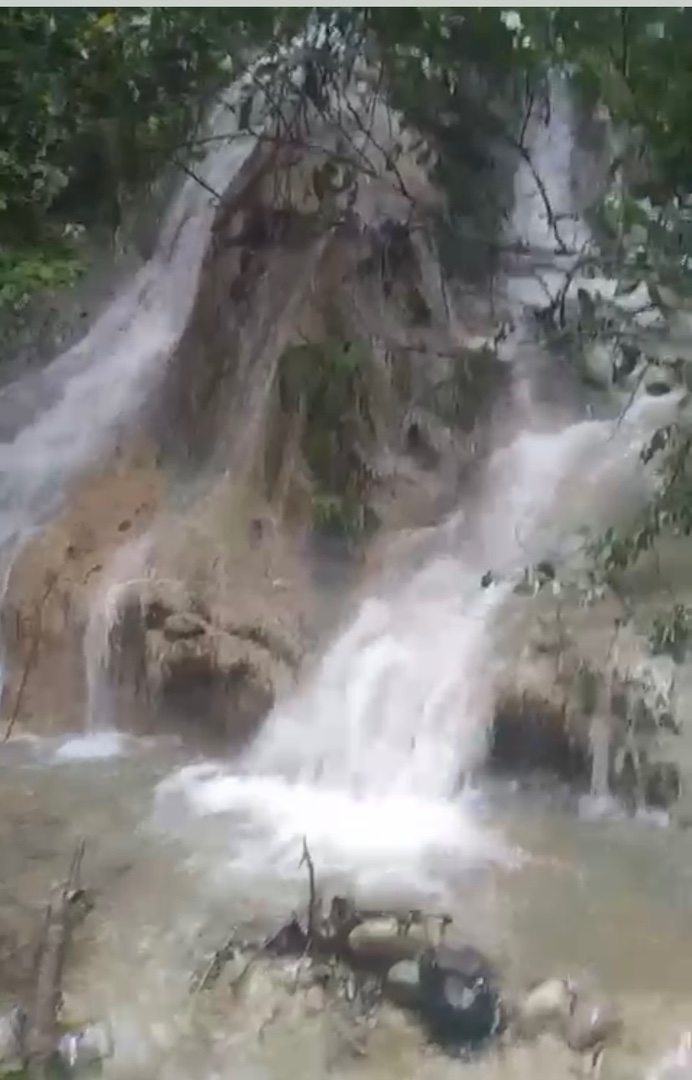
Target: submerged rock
pixel 459 998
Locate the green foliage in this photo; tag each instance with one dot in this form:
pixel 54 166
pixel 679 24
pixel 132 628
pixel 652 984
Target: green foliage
pixel 93 103
pixel 326 382
pixel 25 272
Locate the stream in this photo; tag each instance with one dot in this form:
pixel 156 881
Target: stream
pixel 543 889
pixel 369 761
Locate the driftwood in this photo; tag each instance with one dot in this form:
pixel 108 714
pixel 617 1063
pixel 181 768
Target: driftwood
pixel 40 1031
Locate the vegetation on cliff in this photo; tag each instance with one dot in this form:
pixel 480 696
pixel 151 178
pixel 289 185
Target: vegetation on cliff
pixel 96 101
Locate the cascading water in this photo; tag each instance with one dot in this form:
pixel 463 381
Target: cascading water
pixel 69 413
pixel 367 760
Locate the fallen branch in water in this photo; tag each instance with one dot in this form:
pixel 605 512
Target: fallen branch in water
pixel 29 663
pixel 41 1033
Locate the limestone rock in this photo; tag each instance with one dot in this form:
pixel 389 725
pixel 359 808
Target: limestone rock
pixel 171 666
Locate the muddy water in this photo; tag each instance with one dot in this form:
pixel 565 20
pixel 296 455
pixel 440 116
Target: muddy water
pixel 606 900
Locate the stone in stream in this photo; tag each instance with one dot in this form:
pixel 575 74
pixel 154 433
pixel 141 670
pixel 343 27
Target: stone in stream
pixel 547 1007
pixel 459 998
pixel 383 942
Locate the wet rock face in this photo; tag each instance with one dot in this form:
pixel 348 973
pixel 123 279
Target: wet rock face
pixel 183 670
pixel 594 720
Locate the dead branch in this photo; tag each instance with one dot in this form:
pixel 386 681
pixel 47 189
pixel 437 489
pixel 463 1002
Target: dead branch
pixel 41 1030
pixel 552 218
pixel 29 663
pixel 313 899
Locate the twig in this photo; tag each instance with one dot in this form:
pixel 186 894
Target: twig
pixel 551 216
pixel 313 902
pixel 51 581
pixel 199 179
pixel 528 112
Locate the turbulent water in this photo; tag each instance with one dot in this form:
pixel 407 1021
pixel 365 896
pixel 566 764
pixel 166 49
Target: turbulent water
pixel 373 759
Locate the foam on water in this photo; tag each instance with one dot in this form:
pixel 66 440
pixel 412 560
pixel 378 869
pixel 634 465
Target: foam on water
pixel 403 839
pixel 94 746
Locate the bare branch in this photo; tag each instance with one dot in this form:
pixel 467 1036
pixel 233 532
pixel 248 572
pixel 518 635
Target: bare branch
pixel 199 179
pixel 313 899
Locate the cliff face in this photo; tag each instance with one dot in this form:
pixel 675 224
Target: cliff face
pixel 329 387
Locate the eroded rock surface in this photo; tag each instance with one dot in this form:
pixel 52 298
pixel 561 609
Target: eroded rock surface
pixel 588 703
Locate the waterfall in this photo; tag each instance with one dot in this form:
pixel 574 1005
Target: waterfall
pixel 369 756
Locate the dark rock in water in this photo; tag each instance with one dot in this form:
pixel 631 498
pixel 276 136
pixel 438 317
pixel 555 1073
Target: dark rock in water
pixel 459 998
